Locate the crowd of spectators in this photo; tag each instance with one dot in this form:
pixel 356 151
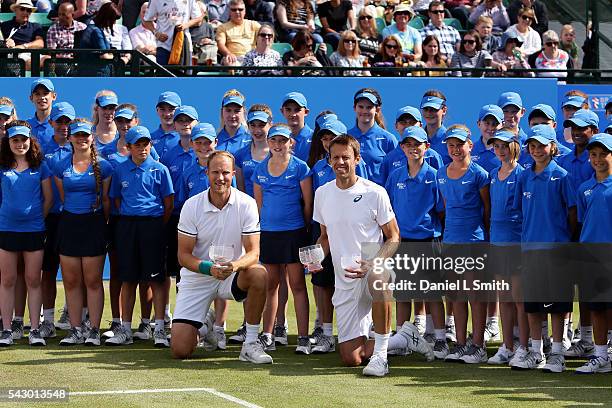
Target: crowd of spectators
pixel 497 36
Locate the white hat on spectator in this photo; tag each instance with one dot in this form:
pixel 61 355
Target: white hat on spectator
pixel 23 3
pixel 404 7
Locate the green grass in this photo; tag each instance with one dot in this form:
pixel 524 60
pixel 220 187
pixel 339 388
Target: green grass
pixel 292 381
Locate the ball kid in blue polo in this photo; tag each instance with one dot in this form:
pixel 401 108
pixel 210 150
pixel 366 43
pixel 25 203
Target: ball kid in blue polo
pixel 511 104
pixel 542 114
pixel 126 117
pixel 490 120
pixel 165 135
pixel 234 134
pixel 42 96
pixel 295 109
pixel 433 106
pixel 584 124
pixel 259 121
pixel 104 129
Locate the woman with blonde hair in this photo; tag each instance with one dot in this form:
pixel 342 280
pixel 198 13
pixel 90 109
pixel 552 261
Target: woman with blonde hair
pixel 532 42
pixel 348 54
pixel 104 129
pixel 367 33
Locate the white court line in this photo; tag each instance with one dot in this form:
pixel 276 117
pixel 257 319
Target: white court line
pixel 165 390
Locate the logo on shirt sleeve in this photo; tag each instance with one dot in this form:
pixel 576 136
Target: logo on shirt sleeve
pixel 356 199
pixel 554 178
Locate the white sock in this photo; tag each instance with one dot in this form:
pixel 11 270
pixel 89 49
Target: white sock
pixel 127 326
pixel 566 323
pixel 167 311
pixel 493 320
pixel 84 314
pixel 516 332
pixel 545 327
pixel 328 329
pixel 450 320
pixel 218 329
pixel 429 326
pixel 159 324
pixel 536 345
pixel 203 331
pixel 49 315
pixel 381 342
pixel 440 334
pixel 601 351
pixel 586 334
pixel 251 333
pixel 396 342
pixel 557 347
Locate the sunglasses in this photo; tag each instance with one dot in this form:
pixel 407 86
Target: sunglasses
pixel 350 41
pixel 402 13
pixel 391 47
pixel 526 18
pixel 25 9
pixel 471 42
pixel 365 18
pixel 437 11
pixel 237 10
pixel 551 43
pixel 264 35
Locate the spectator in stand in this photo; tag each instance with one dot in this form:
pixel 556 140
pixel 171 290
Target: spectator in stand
pixel 203 38
pixel 293 16
pixel 336 16
pixel 532 42
pixel 568 43
pixel 142 39
pixel 490 42
pixel 369 38
pixel 130 12
pixel 471 55
pixel 263 55
pixel 540 11
pixel 409 37
pixel 494 9
pixel 389 8
pixel 431 57
pixel 551 57
pixel 116 34
pixel 236 37
pixel 422 7
pixel 171 16
pixel 348 54
pixel 61 33
pixel 390 55
pixel 19 33
pixel 461 9
pixel 261 11
pixel 218 12
pixel 449 36
pixel 511 56
pixel 305 55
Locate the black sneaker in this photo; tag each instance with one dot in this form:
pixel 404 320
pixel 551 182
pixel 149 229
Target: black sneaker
pixel 239 337
pixel 267 342
pixel 280 335
pixel 304 346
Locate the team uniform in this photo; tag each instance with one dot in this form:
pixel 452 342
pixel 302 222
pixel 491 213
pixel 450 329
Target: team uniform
pixel 375 143
pixel 246 163
pixel 303 141
pixel 163 140
pixel 233 143
pixel 578 167
pixel 484 157
pixel 397 159
pixel 436 143
pixel 41 130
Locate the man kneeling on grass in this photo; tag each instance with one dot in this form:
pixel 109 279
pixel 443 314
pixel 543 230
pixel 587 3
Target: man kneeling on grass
pixel 227 220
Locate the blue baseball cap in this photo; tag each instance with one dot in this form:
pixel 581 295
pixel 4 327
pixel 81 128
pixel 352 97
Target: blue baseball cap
pixel 106 100
pixel 582 118
pixel 457 133
pixel 510 98
pixel 125 113
pixel 409 110
pixel 136 133
pixel 602 139
pixel 491 110
pixel 297 98
pixel 542 133
pixel 169 97
pixel 60 109
pixel 369 96
pixel 414 132
pixel 204 130
pixel 504 136
pixel 547 110
pixel 238 100
pixel 6 110
pixel 80 127
pixel 573 100
pixel 42 82
pixel 430 101
pixel 258 115
pixel 511 35
pixel 187 111
pixel 334 126
pixel 323 118
pixel 18 131
pixel 279 131
pixel 609 127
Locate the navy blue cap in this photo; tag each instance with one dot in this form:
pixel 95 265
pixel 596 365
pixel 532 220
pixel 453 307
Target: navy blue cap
pixel 573 100
pixel 187 111
pixel 582 118
pixel 334 126
pixel 367 95
pixel 325 117
pixel 106 100
pixel 18 131
pixel 80 127
pixel 169 97
pixel 6 110
pixel 491 110
pixel 204 130
pixel 601 138
pixel 504 136
pixel 296 97
pixel 511 35
pixel 125 113
pixel 238 100
pixel 414 132
pixel 547 110
pixel 60 109
pixel 409 110
pixel 258 115
pixel 430 101
pixel 510 98
pixel 457 133
pixel 136 133
pixel 542 133
pixel 279 131
pixel 42 82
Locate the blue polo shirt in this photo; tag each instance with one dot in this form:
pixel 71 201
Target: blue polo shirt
pixel 21 209
pixel 233 144
pixel 544 199
pixel 484 157
pixel 375 143
pixel 80 188
pixel 303 141
pixel 322 172
pixel 109 150
pixel 42 131
pixel 52 157
pixel 579 168
pixel 594 204
pixel 246 163
pixel 396 159
pixel 162 140
pixel 177 160
pixel 282 195
pixel 141 188
pixel 506 221
pixel 464 211
pixel 416 202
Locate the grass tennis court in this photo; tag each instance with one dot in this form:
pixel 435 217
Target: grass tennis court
pixel 218 379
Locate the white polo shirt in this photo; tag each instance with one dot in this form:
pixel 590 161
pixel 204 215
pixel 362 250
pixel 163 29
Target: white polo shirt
pixel 168 14
pixel 209 225
pixel 352 217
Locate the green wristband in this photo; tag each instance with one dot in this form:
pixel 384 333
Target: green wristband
pixel 204 267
